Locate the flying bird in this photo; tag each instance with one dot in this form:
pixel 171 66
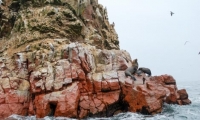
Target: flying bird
pixel 186 42
pixel 199 52
pixel 171 13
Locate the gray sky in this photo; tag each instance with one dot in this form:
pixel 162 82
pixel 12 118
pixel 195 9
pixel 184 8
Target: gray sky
pixel 148 32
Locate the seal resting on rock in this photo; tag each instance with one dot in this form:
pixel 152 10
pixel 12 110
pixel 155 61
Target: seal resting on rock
pixel 145 70
pixel 139 72
pixel 131 70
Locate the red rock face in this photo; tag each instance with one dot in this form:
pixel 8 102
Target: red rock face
pixel 60 103
pixel 149 97
pixel 183 97
pixel 87 84
pixel 65 61
pixel 14 86
pixel 14 102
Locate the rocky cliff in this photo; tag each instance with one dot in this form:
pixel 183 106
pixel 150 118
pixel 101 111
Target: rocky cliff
pixel 62 58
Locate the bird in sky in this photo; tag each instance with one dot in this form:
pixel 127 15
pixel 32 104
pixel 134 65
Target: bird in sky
pixel 199 52
pixel 186 42
pixel 171 13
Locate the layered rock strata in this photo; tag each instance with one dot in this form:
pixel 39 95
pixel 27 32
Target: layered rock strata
pixel 62 58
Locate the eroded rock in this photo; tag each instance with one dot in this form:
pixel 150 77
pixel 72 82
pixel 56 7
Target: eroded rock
pixel 62 58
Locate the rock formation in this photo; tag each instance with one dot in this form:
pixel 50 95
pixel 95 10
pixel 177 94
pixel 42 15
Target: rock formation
pixel 62 58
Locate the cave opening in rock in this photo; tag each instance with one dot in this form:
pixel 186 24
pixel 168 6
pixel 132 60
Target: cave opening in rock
pixel 145 111
pixel 52 109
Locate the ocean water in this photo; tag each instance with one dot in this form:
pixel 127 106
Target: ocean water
pixel 170 112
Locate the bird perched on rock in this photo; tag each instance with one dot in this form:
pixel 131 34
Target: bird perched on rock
pixel 51 46
pixel 171 13
pixel 27 48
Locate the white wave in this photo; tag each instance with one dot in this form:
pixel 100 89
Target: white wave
pixel 19 117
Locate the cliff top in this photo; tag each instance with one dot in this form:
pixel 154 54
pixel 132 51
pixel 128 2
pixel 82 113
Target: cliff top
pixel 84 21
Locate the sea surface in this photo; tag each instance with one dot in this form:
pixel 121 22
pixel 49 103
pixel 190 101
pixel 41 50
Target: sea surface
pixel 170 112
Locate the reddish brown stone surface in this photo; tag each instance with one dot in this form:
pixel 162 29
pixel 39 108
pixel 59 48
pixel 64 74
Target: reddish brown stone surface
pixel 65 61
pixel 71 89
pixel 183 97
pixel 148 98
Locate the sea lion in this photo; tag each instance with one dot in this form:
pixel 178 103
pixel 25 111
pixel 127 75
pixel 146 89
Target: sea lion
pixel 131 70
pixel 139 72
pixel 145 70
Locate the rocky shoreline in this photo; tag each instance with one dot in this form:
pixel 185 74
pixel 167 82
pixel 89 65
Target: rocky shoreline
pixel 62 58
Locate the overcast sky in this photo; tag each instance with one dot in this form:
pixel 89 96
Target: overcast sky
pixel 148 32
